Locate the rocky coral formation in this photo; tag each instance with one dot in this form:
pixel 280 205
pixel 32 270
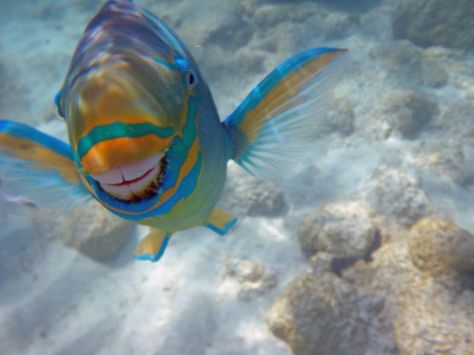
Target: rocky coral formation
pixel 435 22
pixel 409 63
pixel 397 196
pixel 339 118
pixel 252 277
pixel 408 112
pixel 316 315
pixel 457 120
pixel 409 288
pixel 439 246
pixel 92 230
pixel 344 229
pixel 448 159
pixel 245 195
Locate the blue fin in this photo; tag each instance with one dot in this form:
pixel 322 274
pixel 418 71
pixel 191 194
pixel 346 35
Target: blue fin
pixel 153 246
pixel 220 222
pixel 38 167
pixel 274 121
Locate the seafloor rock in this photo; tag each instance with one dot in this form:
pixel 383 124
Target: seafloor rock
pixel 338 118
pixel 316 315
pixel 409 63
pixel 338 25
pixel 344 229
pixel 254 280
pixel 409 111
pixel 286 25
pixel 244 194
pixel 448 158
pixel 439 246
pixel 412 313
pixel 91 229
pixel 397 196
pixel 457 120
pixel 435 22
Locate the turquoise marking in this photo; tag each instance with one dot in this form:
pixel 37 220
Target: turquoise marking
pixel 171 66
pixel 21 130
pixel 184 190
pixel 271 80
pixel 180 65
pixel 158 255
pixel 224 231
pixel 119 130
pixel 57 101
pixel 189 129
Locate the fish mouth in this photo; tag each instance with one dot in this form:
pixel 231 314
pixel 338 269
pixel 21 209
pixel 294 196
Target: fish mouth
pixel 134 182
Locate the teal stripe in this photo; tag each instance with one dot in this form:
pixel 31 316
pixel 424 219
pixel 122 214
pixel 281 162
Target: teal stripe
pixel 119 130
pixel 189 129
pixel 171 66
pixel 24 131
pixel 292 64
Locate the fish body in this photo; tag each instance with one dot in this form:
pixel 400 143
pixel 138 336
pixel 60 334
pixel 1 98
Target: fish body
pixel 145 137
pixel 130 73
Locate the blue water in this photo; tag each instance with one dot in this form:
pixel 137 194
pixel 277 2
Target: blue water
pixel 397 136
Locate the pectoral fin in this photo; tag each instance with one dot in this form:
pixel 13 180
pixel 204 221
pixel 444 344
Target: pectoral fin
pixel 270 127
pixel 219 221
pixel 152 246
pixel 38 167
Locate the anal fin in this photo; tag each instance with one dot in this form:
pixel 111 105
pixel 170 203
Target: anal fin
pixel 152 246
pixel 220 221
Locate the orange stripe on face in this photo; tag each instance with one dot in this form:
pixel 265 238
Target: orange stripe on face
pixel 288 87
pixel 46 159
pixel 110 96
pixel 113 153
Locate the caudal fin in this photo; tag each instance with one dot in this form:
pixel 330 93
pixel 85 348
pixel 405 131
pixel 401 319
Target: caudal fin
pixel 278 116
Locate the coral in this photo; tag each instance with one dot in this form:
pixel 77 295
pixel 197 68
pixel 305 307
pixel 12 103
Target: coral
pixel 252 277
pixel 439 246
pixel 92 230
pixel 344 229
pixel 397 196
pixel 408 112
pixel 435 22
pixel 315 315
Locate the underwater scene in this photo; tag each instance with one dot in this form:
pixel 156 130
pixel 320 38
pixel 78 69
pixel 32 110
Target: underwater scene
pixel 237 177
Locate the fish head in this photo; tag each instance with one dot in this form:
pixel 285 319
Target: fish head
pixel 122 119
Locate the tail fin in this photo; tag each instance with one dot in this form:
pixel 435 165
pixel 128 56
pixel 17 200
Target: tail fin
pixel 279 113
pixel 37 167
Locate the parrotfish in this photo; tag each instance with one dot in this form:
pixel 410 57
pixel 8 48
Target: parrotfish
pixel 145 138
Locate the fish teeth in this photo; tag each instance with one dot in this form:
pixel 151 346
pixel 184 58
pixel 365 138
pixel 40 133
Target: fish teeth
pixel 133 171
pixel 125 189
pixel 128 172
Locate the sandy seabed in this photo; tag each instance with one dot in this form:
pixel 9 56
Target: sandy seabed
pixel 54 300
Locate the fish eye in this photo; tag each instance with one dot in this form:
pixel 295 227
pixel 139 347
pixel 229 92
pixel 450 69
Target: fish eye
pixel 192 79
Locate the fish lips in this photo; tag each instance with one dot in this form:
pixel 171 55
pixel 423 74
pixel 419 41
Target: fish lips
pixel 134 182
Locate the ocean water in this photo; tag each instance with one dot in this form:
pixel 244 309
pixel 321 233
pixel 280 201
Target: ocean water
pixel 304 269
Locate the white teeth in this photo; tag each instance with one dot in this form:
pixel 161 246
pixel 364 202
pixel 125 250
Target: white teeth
pixel 119 182
pixel 113 176
pixel 128 172
pixel 140 186
pixel 133 171
pixel 121 192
